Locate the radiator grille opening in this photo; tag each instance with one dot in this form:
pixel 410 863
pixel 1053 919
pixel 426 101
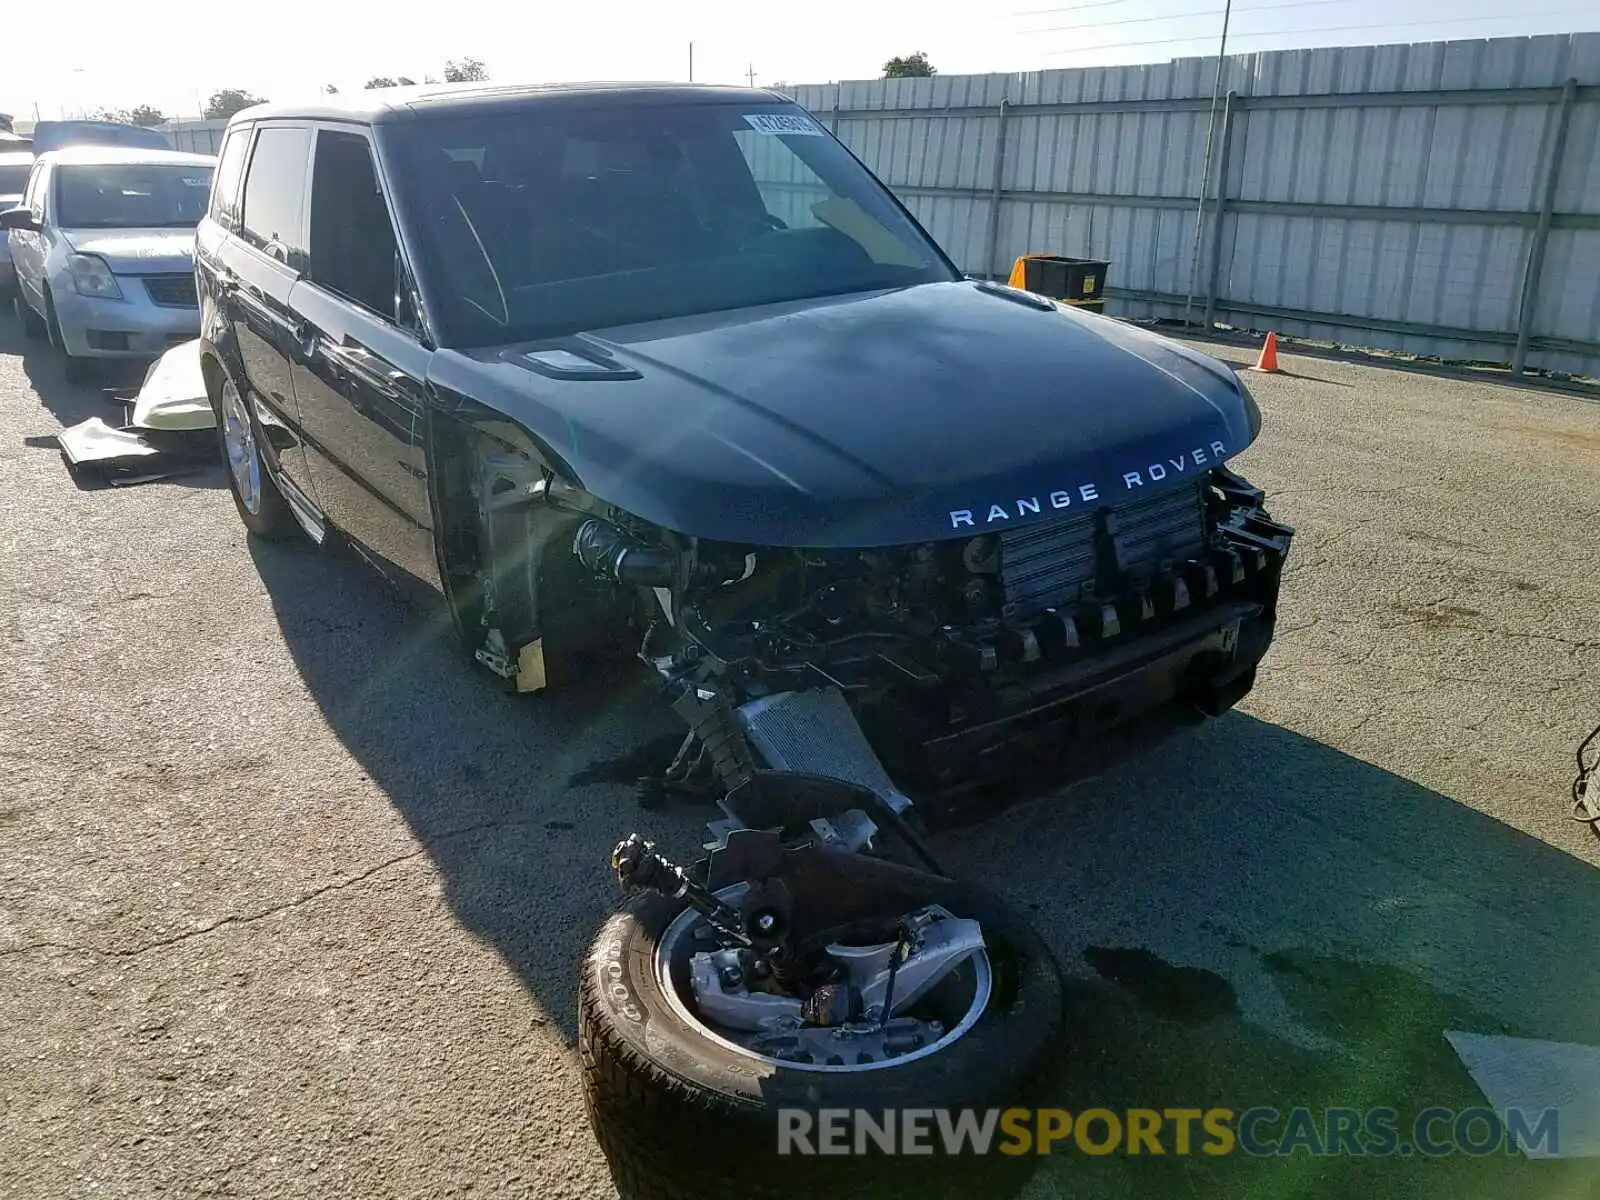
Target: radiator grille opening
pixel 1048 563
pixel 172 291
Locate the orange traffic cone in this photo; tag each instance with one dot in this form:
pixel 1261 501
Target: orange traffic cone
pixel 1267 360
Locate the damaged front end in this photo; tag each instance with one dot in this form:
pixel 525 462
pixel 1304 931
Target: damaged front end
pixel 927 667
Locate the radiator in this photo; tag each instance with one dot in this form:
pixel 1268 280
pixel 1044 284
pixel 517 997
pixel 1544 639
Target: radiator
pixel 815 733
pixel 1048 563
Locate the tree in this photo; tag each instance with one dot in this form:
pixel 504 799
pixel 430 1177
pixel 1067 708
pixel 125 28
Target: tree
pixel 465 70
pixel 228 101
pixel 383 81
pixel 140 114
pixel 912 66
pixel 329 89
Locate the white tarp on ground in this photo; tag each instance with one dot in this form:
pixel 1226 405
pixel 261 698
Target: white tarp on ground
pixel 173 395
pixel 1533 1076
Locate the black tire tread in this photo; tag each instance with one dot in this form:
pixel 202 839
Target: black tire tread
pixel 33 328
pixel 667 1139
pixel 73 369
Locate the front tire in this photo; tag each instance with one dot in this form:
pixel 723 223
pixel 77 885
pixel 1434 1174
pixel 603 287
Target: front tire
pixel 679 1115
pixel 33 328
pixel 261 505
pixel 76 370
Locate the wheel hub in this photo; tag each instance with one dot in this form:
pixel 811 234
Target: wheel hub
pixel 244 457
pixel 843 1025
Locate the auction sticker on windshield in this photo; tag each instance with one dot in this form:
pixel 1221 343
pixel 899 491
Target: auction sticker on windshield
pixel 782 124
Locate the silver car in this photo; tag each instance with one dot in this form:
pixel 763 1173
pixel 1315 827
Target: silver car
pixel 103 248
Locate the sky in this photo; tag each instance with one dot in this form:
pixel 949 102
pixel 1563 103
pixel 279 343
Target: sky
pixel 174 53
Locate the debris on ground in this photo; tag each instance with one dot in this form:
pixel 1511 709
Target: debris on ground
pixel 167 429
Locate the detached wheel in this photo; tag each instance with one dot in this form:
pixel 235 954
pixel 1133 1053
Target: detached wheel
pixel 684 1111
pixel 32 327
pixel 76 370
pixel 261 505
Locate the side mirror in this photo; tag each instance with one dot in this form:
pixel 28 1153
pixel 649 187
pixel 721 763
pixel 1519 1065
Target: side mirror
pixel 19 218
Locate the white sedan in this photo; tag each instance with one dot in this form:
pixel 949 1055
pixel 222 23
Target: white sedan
pixel 103 246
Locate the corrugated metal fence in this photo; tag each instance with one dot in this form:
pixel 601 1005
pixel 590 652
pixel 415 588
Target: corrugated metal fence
pixel 1440 198
pixel 196 137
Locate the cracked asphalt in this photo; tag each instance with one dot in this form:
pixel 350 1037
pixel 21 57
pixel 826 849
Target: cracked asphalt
pixel 292 900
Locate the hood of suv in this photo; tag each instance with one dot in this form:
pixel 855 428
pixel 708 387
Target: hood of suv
pixel 874 419
pixel 136 251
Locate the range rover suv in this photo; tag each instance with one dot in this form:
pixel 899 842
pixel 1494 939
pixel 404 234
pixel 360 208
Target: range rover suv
pixel 666 368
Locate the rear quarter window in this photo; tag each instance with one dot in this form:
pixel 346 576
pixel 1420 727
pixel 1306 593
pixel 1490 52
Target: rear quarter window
pixel 229 173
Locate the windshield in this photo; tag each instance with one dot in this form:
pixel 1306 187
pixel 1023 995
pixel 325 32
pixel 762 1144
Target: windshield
pixel 543 220
pixel 131 196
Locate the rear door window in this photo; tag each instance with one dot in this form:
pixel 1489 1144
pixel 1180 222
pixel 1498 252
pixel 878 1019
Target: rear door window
pixel 274 192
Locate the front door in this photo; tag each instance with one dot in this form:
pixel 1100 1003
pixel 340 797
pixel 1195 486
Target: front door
pixel 361 371
pixel 27 245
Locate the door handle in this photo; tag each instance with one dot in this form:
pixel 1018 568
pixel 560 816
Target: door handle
pixel 305 340
pixel 405 386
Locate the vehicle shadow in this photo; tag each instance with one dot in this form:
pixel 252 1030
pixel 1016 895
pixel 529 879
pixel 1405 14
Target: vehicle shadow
pixel 1240 347
pixel 492 783
pixel 1248 916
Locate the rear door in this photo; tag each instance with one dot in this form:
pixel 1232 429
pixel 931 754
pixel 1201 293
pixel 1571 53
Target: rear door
pixel 360 380
pixel 215 283
pixel 257 267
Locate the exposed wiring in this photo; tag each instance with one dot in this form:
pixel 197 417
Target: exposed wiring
pixel 902 943
pixel 1586 806
pixel 1518 16
pixel 1189 16
pixel 1040 12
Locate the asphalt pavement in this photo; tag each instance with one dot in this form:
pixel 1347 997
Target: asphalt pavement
pixel 292 898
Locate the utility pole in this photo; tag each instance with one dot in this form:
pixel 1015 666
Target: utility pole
pixel 691 62
pixel 750 74
pixel 1205 170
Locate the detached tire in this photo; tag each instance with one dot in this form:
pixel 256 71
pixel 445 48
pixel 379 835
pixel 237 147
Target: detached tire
pixel 680 1116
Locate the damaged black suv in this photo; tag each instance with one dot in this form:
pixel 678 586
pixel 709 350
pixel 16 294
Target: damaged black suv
pixel 666 368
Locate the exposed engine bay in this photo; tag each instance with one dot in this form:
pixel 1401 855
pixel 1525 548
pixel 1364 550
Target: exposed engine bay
pixel 917 662
pixel 817 684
